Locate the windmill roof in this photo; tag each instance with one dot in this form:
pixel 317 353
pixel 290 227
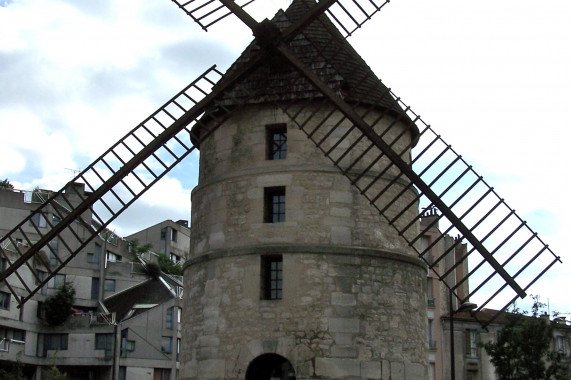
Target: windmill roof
pixel 321 47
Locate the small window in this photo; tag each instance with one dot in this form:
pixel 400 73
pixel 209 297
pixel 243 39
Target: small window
pixel 19 336
pixel 276 142
pixel 271 277
pixel 109 285
pixel 94 288
pixel 471 340
pixel 166 344
pixel 4 300
pixel 41 276
pixel 3 264
pixel 431 340
pixel 112 257
pixel 174 234
pixel 274 208
pixel 51 342
pixel 169 318
pixel 57 281
pixel 104 342
pixel 430 291
pixel 55 219
pixel 122 373
pixel 38 220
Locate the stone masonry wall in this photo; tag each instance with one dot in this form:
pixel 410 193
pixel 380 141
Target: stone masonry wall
pixel 353 302
pixel 344 315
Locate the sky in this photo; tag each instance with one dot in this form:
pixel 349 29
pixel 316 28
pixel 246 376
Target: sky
pixel 491 77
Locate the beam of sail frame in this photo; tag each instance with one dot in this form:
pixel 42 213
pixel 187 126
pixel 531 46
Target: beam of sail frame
pixel 443 180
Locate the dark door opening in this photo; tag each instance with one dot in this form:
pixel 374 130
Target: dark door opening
pixel 270 367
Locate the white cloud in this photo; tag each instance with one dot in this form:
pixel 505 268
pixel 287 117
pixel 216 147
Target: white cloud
pixel 491 77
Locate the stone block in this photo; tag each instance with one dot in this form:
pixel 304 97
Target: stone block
pixel 371 370
pixel 344 325
pixel 212 369
pixel 414 371
pixel 341 235
pixel 397 371
pixel 337 368
pixel 343 299
pixel 343 352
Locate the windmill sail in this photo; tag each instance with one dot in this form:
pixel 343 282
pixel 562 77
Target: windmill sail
pixel 317 63
pixel 113 182
pixel 319 66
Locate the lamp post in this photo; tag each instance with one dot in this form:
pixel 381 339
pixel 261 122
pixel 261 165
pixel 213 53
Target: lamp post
pixel 466 306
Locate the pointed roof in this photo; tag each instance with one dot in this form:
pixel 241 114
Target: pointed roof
pixel 321 47
pixel 150 292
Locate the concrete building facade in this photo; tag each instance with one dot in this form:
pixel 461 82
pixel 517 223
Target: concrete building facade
pixel 83 347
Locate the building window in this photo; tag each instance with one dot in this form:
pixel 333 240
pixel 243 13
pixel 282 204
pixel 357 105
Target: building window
pixel 112 257
pixel 109 285
pixel 161 374
pixel 274 207
pixel 431 341
pixel 166 344
pixel 169 319
pixel 48 342
pixel 4 344
pixel 276 141
pixel 471 375
pixel 122 373
pixel 3 264
pixel 272 277
pixel 174 258
pixel 94 288
pixel 471 343
pixel 95 257
pixel 4 300
pixel 55 219
pixel 174 234
pixel 38 220
pixel 431 371
pixel 126 344
pixel 19 336
pixel 104 342
pixel 560 344
pixel 54 250
pixel 41 276
pixel 57 281
pixel 430 292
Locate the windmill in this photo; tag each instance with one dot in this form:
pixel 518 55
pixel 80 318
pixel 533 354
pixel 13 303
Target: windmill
pixel 508 256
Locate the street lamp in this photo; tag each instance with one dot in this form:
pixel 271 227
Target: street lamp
pixel 466 306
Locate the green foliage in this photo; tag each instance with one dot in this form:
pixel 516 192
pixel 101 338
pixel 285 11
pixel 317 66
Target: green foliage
pixel 168 266
pixel 6 185
pixel 15 373
pixel 522 347
pixel 138 250
pixel 53 373
pixel 152 270
pixel 59 307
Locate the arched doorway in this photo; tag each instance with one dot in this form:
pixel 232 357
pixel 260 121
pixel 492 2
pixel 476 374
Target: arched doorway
pixel 270 367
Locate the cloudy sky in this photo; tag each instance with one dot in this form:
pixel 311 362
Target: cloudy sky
pixel 492 77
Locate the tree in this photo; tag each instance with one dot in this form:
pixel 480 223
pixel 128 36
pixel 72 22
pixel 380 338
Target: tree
pixel 168 266
pixel 59 307
pixel 6 185
pixel 522 350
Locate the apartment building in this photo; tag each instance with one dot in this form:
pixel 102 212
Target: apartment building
pixel 89 345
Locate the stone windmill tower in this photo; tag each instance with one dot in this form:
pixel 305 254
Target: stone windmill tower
pixel 306 257
pixel 290 267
